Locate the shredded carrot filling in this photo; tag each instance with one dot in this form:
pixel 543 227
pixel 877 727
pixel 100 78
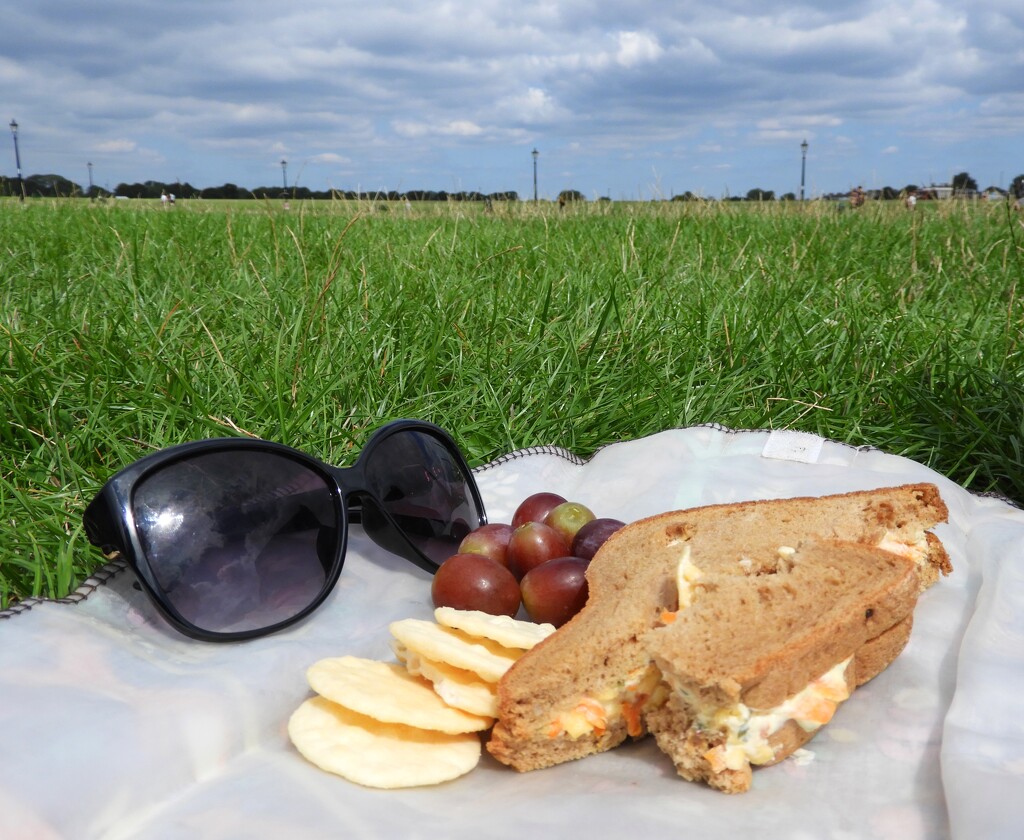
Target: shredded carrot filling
pixel 631 712
pixel 668 616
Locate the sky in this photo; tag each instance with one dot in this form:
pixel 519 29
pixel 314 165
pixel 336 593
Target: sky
pixel 635 99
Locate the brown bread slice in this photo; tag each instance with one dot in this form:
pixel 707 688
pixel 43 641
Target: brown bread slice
pixel 756 636
pixel 598 659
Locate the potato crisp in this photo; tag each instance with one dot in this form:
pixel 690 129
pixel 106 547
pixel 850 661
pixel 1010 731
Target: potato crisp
pixel 389 693
pixel 378 755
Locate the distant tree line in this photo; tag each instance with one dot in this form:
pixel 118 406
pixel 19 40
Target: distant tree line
pixel 44 186
pixel 962 186
pixel 56 186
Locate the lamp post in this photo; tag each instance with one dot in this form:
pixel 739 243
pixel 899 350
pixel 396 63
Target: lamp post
pixel 803 167
pixel 535 155
pixel 17 160
pixel 89 166
pixel 284 173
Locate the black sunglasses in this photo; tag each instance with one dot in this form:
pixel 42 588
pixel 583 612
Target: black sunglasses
pixel 236 538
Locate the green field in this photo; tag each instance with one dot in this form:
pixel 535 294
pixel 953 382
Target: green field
pixel 125 328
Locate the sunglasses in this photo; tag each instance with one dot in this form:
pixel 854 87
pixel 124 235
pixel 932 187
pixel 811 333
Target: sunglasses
pixel 236 538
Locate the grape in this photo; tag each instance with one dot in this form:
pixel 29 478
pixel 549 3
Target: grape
pixel 567 518
pixel 475 582
pixel 591 536
pixel 534 508
pixel 531 544
pixel 491 540
pixel 555 591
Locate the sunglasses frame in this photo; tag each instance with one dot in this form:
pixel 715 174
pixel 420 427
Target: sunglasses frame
pixel 110 522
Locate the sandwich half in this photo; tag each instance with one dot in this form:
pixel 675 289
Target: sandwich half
pixel 600 680
pixel 768 649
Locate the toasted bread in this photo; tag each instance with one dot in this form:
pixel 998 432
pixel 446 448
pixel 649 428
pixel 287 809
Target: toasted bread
pixel 595 682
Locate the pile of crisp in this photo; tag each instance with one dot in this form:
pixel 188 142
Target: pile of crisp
pixel 416 721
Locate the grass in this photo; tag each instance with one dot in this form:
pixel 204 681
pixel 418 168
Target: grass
pixel 124 329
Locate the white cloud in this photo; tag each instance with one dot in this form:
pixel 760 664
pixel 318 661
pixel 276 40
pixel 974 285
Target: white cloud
pixel 461 128
pixel 451 128
pixel 796 129
pixel 533 107
pixel 116 146
pixel 637 48
pixel 329 157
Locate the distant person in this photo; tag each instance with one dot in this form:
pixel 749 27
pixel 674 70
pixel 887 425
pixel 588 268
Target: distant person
pixel 170 199
pixel 911 201
pixel 164 198
pixel 857 196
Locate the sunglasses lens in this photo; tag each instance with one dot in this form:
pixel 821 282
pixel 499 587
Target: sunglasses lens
pixel 418 480
pixel 238 540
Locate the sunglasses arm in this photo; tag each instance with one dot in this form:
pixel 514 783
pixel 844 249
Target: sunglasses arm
pixel 101 526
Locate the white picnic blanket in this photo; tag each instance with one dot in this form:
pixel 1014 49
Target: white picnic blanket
pixel 114 726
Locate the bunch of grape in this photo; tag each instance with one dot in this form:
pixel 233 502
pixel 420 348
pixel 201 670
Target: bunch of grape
pixel 538 561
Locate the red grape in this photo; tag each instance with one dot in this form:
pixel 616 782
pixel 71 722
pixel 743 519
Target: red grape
pixel 491 540
pixel 531 544
pixel 475 582
pixel 567 518
pixel 555 591
pixel 591 536
pixel 534 508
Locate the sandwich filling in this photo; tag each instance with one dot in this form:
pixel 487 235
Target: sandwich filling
pixel 916 551
pixel 594 715
pixel 687 574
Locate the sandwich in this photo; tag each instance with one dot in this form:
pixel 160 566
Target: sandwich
pixel 702 624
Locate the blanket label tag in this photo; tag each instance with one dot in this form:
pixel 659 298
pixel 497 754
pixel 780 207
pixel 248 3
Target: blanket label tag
pixel 787 445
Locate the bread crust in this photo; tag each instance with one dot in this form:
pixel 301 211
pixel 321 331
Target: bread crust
pixel 878 653
pixel 632 584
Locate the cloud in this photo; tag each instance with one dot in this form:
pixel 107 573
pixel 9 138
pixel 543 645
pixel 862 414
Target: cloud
pixel 637 48
pixel 116 146
pixel 532 107
pixel 329 157
pixel 452 128
pixel 795 129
